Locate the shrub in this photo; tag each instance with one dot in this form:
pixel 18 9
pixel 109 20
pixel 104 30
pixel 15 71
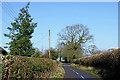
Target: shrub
pixel 77 61
pixel 27 67
pixel 53 52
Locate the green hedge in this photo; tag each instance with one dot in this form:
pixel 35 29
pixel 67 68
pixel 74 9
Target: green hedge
pixel 27 67
pixel 108 62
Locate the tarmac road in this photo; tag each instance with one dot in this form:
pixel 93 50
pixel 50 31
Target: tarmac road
pixel 72 73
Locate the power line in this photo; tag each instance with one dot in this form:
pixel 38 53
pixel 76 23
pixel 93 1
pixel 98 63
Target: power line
pixel 12 10
pixel 41 39
pixel 8 12
pixel 9 15
pixel 9 8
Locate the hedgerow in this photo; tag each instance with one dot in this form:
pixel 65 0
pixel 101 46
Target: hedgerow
pixel 27 67
pixel 107 62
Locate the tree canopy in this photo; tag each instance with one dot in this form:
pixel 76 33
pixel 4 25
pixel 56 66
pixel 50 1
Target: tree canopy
pixel 75 38
pixel 37 53
pixel 53 52
pixel 21 33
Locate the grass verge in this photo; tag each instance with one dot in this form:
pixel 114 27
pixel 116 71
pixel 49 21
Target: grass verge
pixel 86 69
pixel 60 72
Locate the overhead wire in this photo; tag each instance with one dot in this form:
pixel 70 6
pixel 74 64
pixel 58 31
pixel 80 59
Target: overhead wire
pixel 11 9
pixel 40 39
pixel 12 14
pixel 7 11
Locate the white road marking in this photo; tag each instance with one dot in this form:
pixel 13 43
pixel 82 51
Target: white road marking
pixel 82 77
pixel 73 71
pixel 77 73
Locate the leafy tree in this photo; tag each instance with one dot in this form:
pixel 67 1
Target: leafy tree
pixel 53 52
pixel 37 53
pixel 75 38
pixel 70 54
pixel 21 33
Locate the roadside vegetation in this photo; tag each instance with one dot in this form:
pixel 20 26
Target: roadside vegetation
pixel 106 64
pixel 20 33
pixel 87 69
pixel 53 52
pixel 27 67
pixel 60 72
pixel 25 61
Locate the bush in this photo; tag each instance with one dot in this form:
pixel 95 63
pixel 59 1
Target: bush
pixel 53 52
pixel 27 67
pixel 37 54
pixel 77 61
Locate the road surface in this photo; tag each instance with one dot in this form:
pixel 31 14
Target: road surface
pixel 72 73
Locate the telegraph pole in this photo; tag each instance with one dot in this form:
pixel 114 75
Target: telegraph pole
pixel 49 43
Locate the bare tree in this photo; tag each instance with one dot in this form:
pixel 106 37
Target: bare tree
pixel 92 49
pixel 75 37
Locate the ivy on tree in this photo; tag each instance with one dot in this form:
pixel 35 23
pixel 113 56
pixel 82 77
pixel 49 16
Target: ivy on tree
pixel 21 33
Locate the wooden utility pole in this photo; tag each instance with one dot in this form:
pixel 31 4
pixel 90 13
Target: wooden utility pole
pixel 49 43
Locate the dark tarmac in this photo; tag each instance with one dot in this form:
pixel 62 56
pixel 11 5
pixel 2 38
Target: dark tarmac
pixel 72 73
